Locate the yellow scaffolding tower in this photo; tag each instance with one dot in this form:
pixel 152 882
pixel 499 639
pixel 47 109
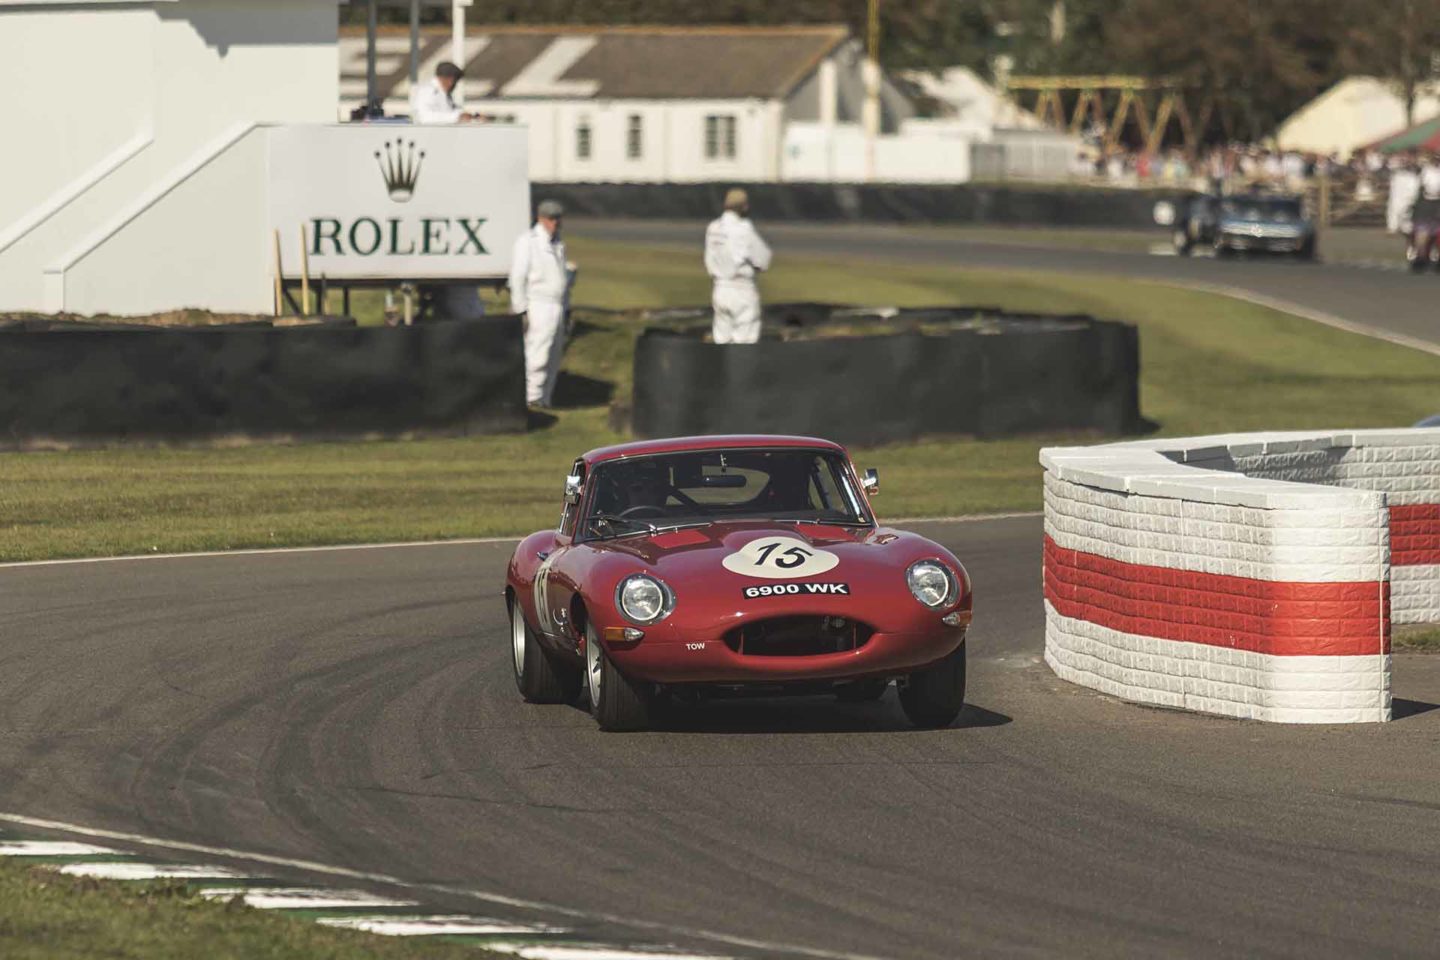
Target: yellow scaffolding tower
pixel 1135 96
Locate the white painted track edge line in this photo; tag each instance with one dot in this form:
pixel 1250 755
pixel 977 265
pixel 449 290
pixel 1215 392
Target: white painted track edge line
pixel 311 866
pixel 967 518
pixel 261 551
pixel 1306 313
pixel 408 544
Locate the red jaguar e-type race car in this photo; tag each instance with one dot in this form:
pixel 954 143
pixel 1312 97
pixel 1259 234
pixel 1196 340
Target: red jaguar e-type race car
pixel 727 564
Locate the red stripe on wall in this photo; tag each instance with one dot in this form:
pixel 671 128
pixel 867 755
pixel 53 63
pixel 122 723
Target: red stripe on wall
pixel 1280 618
pixel 1414 534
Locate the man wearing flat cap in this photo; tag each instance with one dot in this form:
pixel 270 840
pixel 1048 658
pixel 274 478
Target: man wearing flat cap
pixel 540 281
pixel 734 254
pixel 434 102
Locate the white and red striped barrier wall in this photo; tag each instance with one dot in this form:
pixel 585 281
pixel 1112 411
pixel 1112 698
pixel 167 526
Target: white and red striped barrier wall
pixel 1252 575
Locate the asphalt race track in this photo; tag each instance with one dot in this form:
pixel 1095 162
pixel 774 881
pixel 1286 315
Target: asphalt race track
pixel 1395 304
pixel 356 707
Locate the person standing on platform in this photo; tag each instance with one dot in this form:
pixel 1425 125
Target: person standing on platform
pixel 734 254
pixel 434 102
pixel 540 281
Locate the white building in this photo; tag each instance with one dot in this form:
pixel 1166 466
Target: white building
pixel 658 104
pixel 213 139
pixel 968 99
pixel 1009 142
pixel 1354 112
pixel 92 179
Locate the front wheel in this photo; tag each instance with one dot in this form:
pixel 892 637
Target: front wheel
pixel 616 702
pixel 538 676
pixel 933 697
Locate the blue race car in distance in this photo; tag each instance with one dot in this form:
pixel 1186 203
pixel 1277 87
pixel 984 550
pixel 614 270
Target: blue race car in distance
pixel 1252 223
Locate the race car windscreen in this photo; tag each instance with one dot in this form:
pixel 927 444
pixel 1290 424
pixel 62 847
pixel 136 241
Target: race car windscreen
pixel 637 495
pixel 1258 210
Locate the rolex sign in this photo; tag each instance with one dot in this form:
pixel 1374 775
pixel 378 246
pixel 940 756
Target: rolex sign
pixel 399 201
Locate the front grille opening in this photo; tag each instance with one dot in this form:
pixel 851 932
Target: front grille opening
pixel 807 636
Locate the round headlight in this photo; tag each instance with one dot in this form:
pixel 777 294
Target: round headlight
pixel 930 582
pixel 643 599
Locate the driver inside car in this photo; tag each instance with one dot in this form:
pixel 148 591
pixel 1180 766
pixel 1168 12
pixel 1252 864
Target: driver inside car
pixel 640 484
pixel 788 488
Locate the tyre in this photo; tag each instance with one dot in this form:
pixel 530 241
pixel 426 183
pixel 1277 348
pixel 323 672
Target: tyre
pixel 1222 250
pixel 616 702
pixel 539 676
pixel 1307 252
pixel 932 698
pixel 862 691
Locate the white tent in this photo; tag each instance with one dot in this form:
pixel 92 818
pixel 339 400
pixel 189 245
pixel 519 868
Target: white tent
pixel 1354 112
pixel 970 101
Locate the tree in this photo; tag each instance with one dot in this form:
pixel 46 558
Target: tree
pixel 1257 59
pixel 1397 40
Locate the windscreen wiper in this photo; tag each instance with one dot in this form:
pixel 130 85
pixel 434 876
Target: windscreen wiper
pixel 825 523
pixel 670 527
pixel 644 525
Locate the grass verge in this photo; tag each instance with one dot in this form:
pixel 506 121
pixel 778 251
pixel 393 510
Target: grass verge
pixel 1415 639
pixel 47 916
pixel 1209 364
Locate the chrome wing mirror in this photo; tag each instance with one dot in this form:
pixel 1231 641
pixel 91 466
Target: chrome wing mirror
pixel 572 488
pixel 871 482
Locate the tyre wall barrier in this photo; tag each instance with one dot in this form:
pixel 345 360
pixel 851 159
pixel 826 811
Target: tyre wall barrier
pixel 1251 575
pixel 1026 375
pixel 876 203
pixel 80 385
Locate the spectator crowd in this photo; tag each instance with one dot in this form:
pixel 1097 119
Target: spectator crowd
pixel 1241 164
pixel 1400 178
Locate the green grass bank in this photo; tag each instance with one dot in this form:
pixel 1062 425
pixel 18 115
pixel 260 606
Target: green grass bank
pixel 1209 364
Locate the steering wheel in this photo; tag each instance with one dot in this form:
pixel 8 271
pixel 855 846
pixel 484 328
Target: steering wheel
pixel 635 511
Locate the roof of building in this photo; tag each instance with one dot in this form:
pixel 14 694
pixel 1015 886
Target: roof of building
pixel 1424 136
pixel 638 62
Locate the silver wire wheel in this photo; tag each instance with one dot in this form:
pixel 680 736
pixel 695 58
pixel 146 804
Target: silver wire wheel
pixel 594 666
pixel 517 638
pixel 616 701
pixel 540 676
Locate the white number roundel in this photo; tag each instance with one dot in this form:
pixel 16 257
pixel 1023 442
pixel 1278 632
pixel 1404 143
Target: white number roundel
pixel 779 558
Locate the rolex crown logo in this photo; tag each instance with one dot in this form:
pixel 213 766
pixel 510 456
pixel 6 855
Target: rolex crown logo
pixel 400 166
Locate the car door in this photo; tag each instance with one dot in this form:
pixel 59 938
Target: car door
pixel 554 588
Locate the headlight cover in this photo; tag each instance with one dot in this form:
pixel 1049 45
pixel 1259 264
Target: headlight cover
pixel 643 600
pixel 931 582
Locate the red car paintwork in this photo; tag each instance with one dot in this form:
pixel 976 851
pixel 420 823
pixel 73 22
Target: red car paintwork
pixel 560 584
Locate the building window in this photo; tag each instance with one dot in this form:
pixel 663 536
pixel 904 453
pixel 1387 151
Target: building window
pixel 720 136
pixel 582 139
pixel 635 137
